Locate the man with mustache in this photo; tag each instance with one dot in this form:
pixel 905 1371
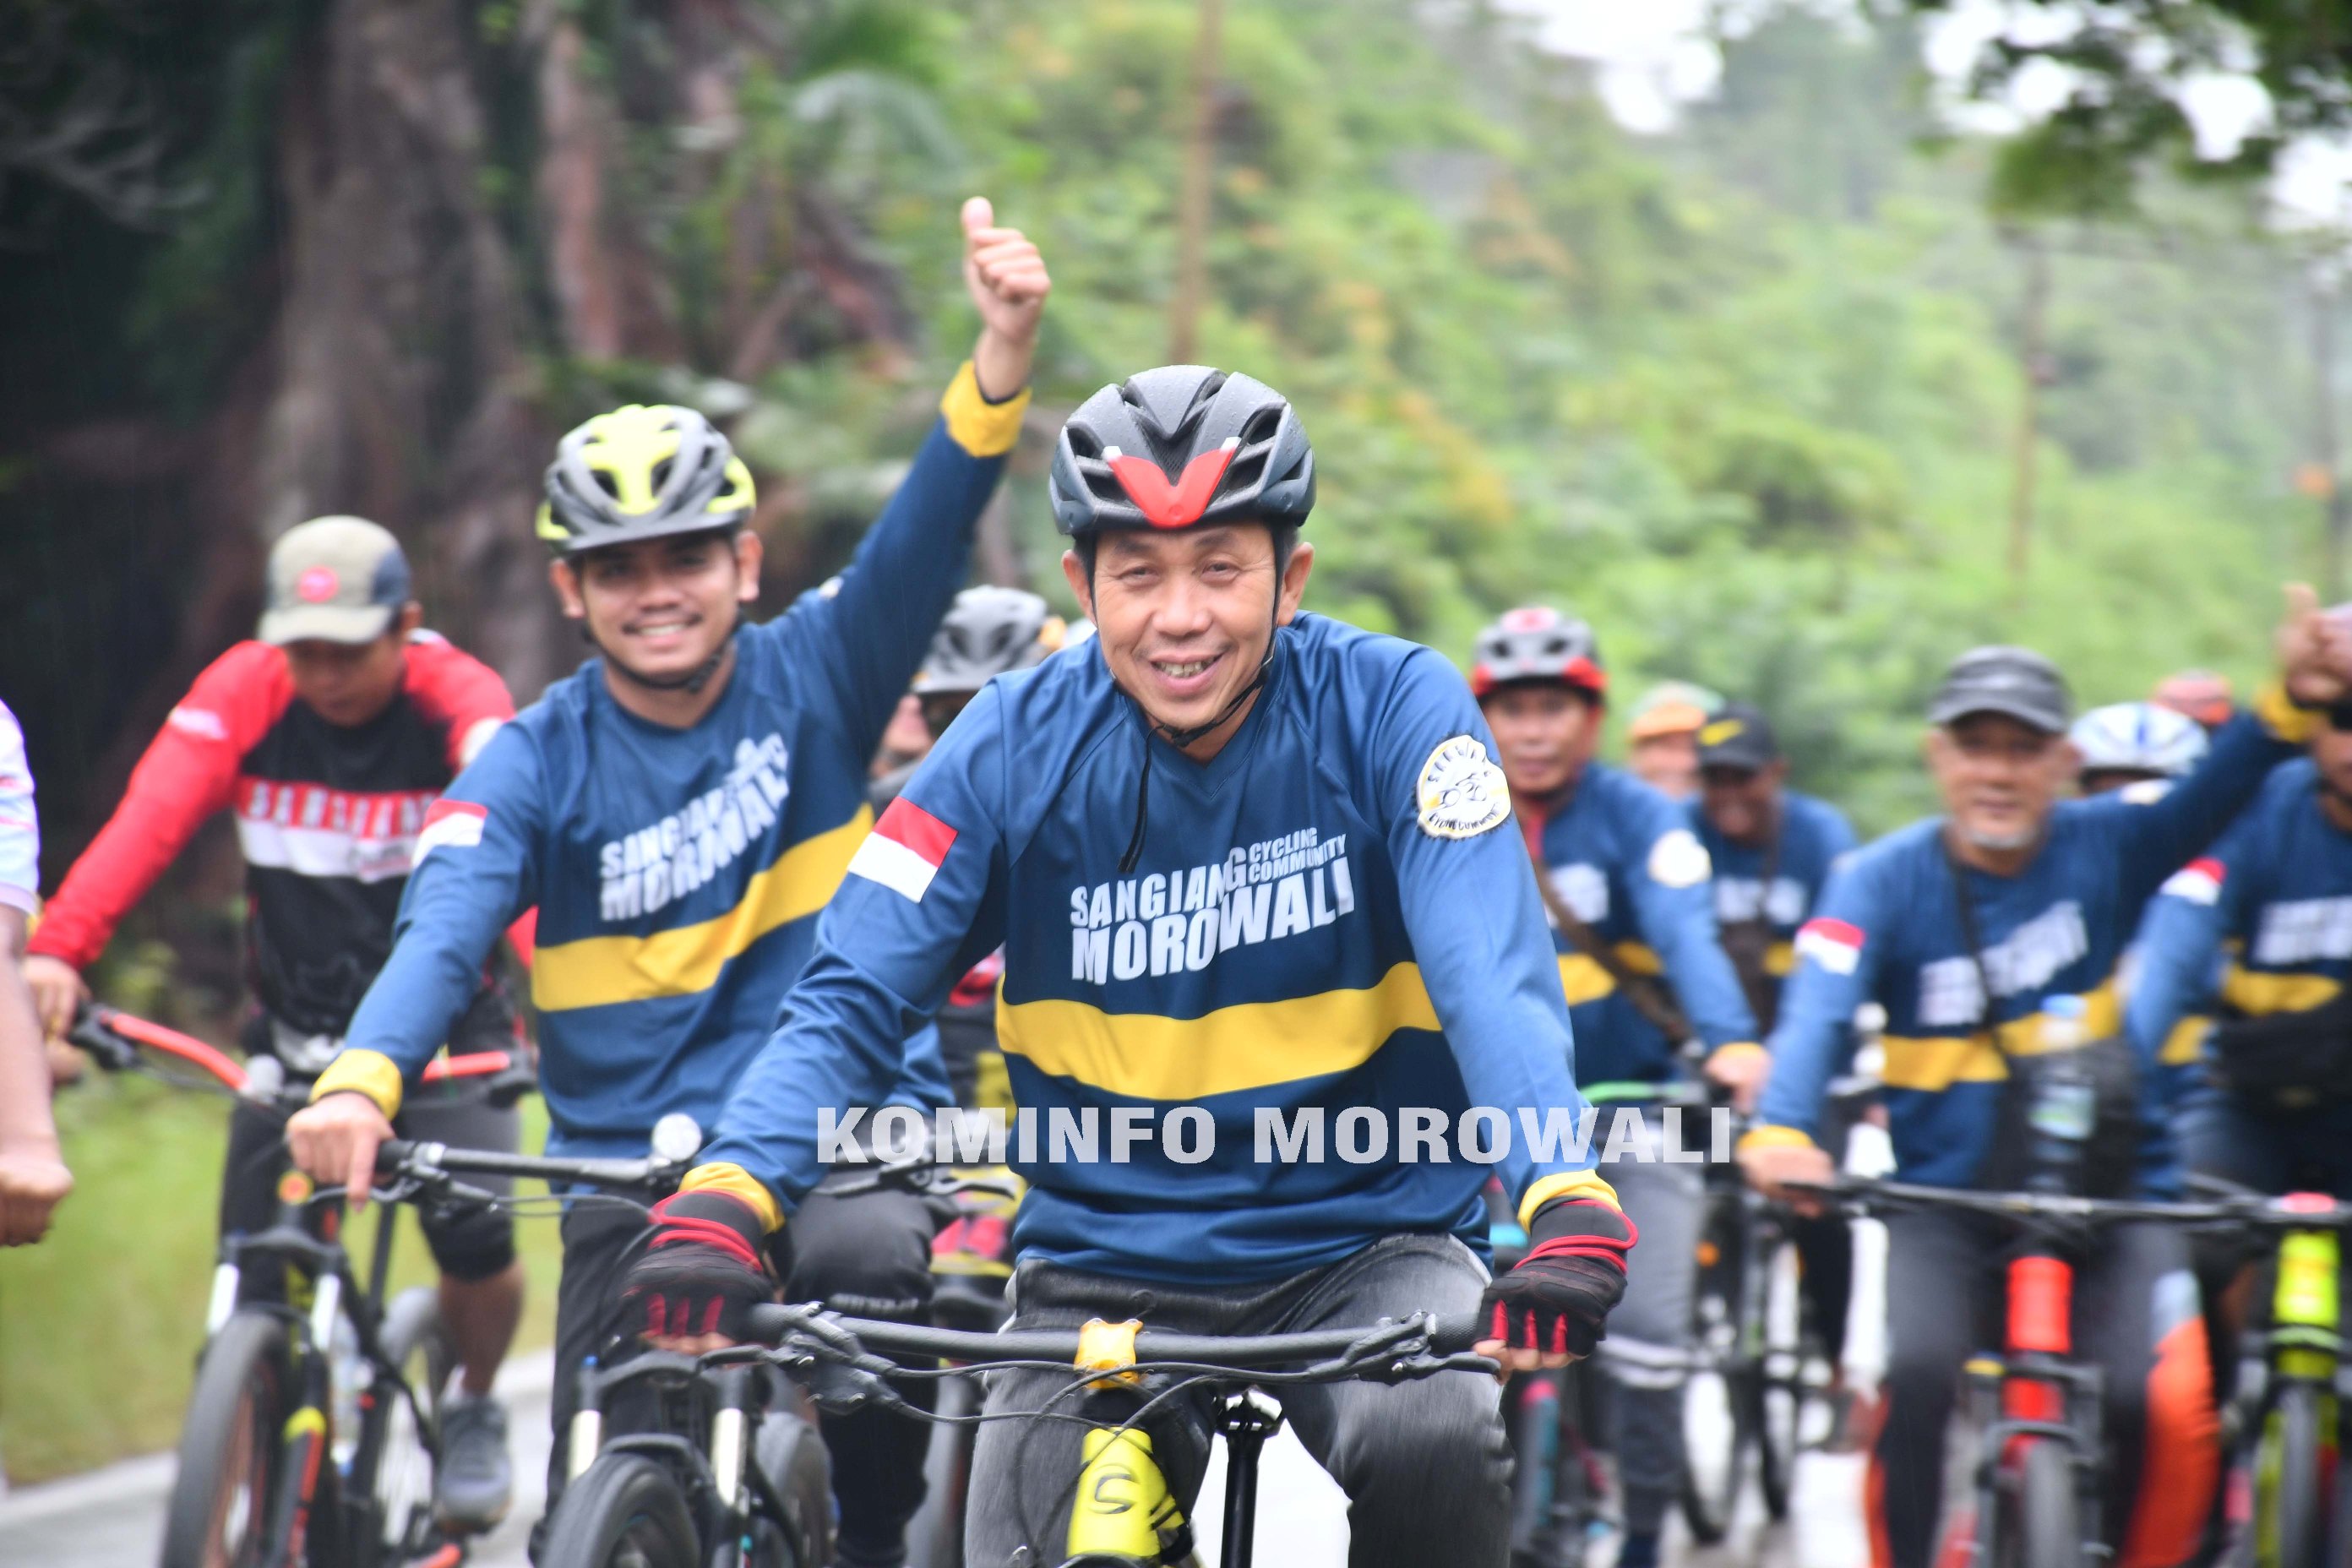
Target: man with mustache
pixel 2031 897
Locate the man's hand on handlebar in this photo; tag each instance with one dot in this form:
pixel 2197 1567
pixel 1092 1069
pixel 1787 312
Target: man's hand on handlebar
pixel 1551 1309
pixel 1770 1167
pixel 335 1140
pixel 703 1270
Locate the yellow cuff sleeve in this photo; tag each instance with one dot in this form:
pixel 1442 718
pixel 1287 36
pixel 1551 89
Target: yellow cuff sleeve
pixel 736 1182
pixel 371 1073
pixel 2293 725
pixel 1567 1184
pixel 983 428
pixel 1771 1137
pixel 1733 1049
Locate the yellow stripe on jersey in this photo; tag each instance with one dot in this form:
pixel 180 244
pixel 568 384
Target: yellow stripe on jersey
pixel 1582 979
pixel 1938 1061
pixel 2187 1041
pixel 2257 993
pixel 1142 1056
pixel 598 970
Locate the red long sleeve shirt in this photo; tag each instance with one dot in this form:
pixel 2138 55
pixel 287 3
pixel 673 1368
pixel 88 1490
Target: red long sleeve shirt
pixel 326 817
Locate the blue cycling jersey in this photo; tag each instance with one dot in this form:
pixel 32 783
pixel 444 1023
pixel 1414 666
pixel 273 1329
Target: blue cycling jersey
pixel 2276 893
pixel 1330 916
pixel 678 873
pixel 1889 929
pixel 1813 836
pixel 1624 861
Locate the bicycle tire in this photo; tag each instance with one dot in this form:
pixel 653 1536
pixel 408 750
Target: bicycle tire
pixel 1718 1402
pixel 225 1490
pixel 417 1341
pixel 1779 1384
pixel 935 1538
pixel 793 1456
pixel 626 1512
pixel 2290 1520
pixel 2048 1532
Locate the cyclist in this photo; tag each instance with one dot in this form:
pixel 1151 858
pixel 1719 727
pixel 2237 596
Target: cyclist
pixel 679 810
pixel 2019 894
pixel 2127 744
pixel 2274 1108
pixel 1662 736
pixel 1772 850
pixel 2200 694
pixel 1625 881
pixel 33 1175
pixel 329 737
pixel 988 631
pixel 1249 867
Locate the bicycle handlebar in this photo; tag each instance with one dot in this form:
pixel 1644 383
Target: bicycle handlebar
pixel 113 1038
pixel 2292 1212
pixel 1424 1334
pixel 400 1157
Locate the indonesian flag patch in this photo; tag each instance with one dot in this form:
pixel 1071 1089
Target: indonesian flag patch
pixel 905 850
pixel 2200 881
pixel 449 825
pixel 1835 945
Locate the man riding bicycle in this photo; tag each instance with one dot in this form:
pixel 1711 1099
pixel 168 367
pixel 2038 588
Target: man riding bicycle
pixel 679 810
pixel 1970 931
pixel 1625 886
pixel 33 1175
pixel 329 737
pixel 1250 867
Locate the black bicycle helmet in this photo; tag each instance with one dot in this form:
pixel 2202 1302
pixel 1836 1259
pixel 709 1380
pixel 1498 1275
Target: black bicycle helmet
pixel 986 632
pixel 1180 446
pixel 642 472
pixel 1536 642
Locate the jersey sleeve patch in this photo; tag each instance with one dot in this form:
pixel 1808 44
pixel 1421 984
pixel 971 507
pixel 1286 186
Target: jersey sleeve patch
pixel 2200 881
pixel 1679 860
pixel 905 850
pixel 450 825
pixel 1835 944
pixel 1461 793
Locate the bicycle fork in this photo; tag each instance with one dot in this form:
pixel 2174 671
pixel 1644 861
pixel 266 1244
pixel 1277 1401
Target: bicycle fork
pixel 2036 1392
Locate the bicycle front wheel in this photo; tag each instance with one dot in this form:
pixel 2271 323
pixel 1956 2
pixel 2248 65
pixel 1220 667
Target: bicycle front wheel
pixel 1781 1385
pixel 2289 1523
pixel 627 1511
pixel 2048 1532
pixel 417 1342
pixel 225 1492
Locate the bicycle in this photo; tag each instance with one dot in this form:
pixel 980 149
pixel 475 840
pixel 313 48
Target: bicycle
pixel 313 1429
pixel 721 1466
pixel 1559 1492
pixel 970 1266
pixel 2291 1496
pixel 1123 1513
pixel 2041 1439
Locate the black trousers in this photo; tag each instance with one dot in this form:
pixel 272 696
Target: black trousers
pixel 869 1255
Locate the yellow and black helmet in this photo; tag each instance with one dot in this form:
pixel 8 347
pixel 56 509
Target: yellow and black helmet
pixel 642 472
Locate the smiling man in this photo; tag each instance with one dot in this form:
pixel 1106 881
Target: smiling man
pixel 679 811
pixel 1964 928
pixel 1241 859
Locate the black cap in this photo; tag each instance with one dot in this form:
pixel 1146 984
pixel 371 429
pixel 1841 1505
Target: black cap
pixel 2015 681
pixel 1737 737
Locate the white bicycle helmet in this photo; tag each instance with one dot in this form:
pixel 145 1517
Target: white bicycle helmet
pixel 2139 737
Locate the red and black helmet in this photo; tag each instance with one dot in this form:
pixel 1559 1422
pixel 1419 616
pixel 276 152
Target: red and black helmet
pixel 1181 447
pixel 1536 642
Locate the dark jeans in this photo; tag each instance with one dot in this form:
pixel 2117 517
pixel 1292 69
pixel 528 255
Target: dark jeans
pixel 1425 1465
pixel 2135 1316
pixel 868 1255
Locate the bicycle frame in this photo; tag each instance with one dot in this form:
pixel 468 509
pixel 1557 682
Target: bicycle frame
pixel 2035 1391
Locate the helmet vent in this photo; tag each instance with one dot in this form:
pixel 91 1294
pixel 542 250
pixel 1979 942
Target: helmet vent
pixel 661 474
pixel 605 482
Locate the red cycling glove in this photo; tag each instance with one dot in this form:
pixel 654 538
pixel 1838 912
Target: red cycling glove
pixel 1558 1297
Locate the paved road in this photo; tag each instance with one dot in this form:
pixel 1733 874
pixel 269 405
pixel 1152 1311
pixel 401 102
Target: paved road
pixel 113 1519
